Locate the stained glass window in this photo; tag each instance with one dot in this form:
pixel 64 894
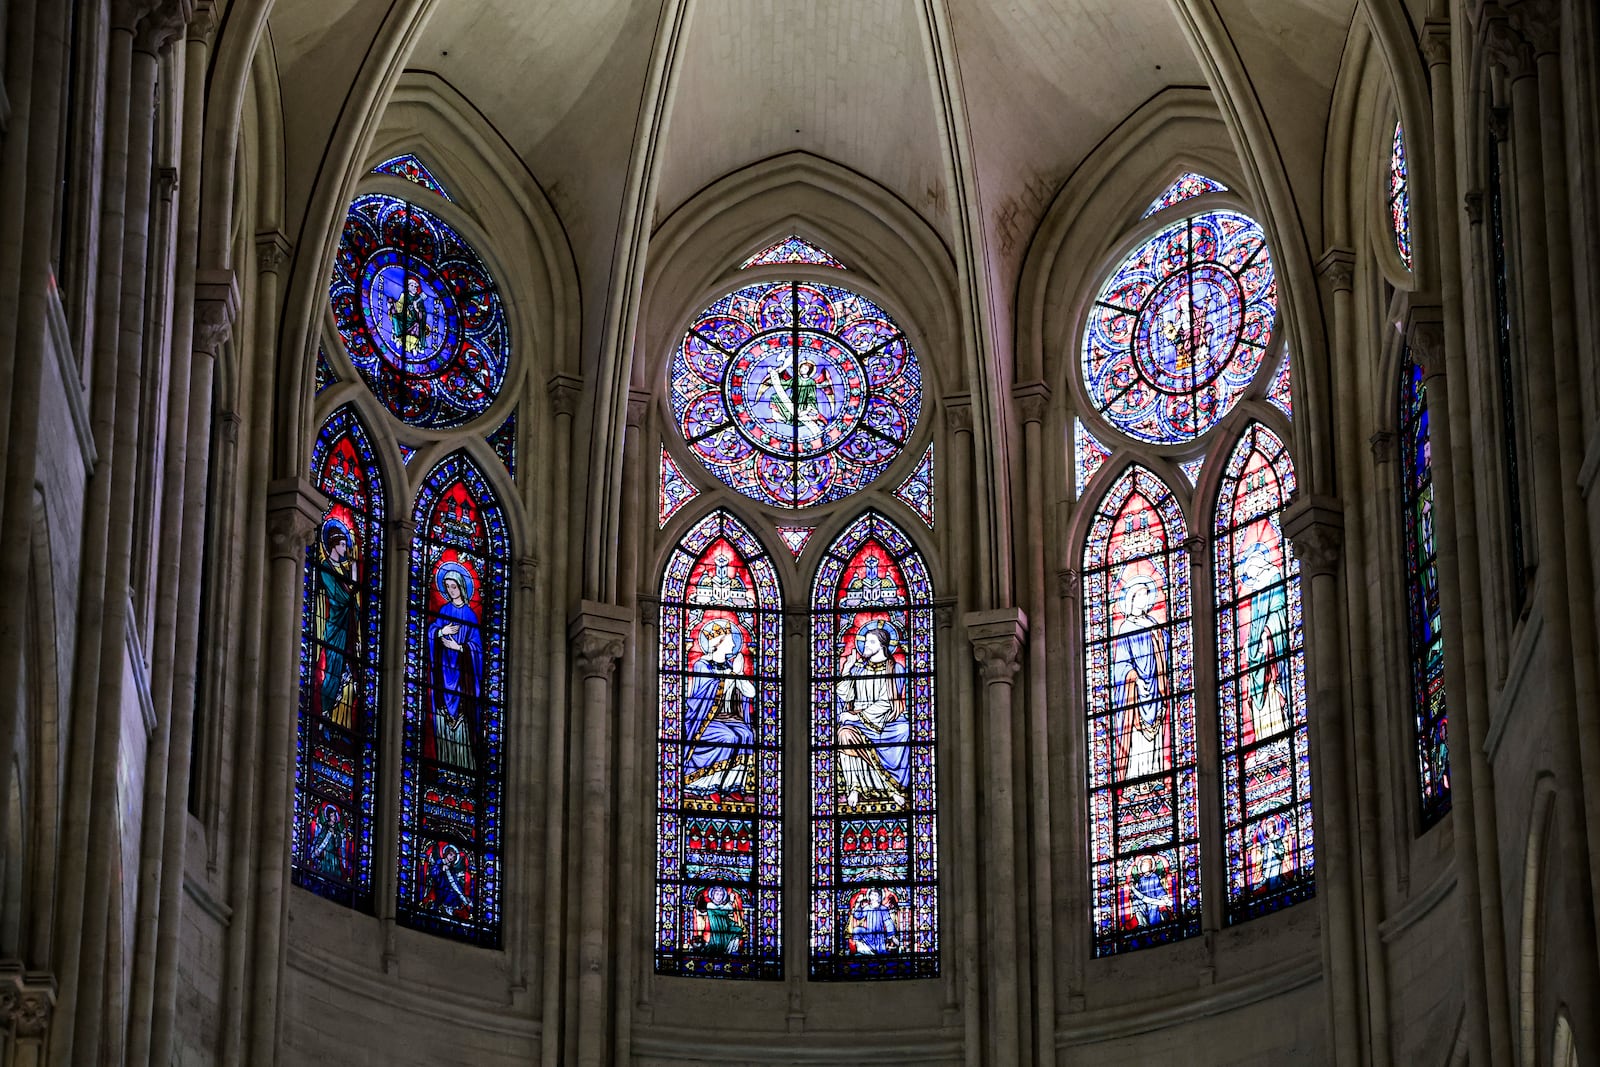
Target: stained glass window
pixel 916 492
pixel 1180 327
pixel 412 170
pixel 792 249
pixel 676 490
pixel 1089 455
pixel 1281 394
pixel 795 393
pixel 1192 468
pixel 1261 678
pixel 406 452
pixel 325 375
pixel 1426 642
pixel 1144 809
pixel 719 829
pixel 504 443
pixel 452 764
pixel 1505 363
pixel 1187 187
pixel 874 863
pixel 795 538
pixel 420 315
pixel 1400 196
pixel 336 740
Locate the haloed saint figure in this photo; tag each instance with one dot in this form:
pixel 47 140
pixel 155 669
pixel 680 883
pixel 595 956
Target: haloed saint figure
pixel 1140 683
pixel 455 653
pixel 338 623
pixel 719 923
pixel 1266 645
pixel 874 759
pixel 717 717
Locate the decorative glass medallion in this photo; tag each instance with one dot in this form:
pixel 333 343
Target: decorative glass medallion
pixel 1089 455
pixel 1180 327
pixel 504 443
pixel 795 393
pixel 676 490
pixel 791 249
pixel 1282 394
pixel 795 538
pixel 1187 187
pixel 1191 469
pixel 412 170
pixel 419 313
pixel 916 492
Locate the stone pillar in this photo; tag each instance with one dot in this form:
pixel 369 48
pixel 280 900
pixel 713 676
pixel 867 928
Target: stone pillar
pixel 294 513
pixel 1315 525
pixel 1213 861
pixel 598 633
pixel 27 1000
pixel 997 640
pixel 400 533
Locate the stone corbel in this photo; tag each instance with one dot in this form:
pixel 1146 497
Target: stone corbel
pixel 27 1000
pixel 997 638
pixel 216 306
pixel 598 634
pixel 1315 525
pixel 294 514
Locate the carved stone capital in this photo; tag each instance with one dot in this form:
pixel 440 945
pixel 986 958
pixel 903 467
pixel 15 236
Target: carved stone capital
pixel 162 24
pixel 997 638
pixel 638 408
pixel 959 410
pixel 216 305
pixel 228 424
pixel 1068 584
pixel 1315 526
pixel 1033 401
pixel 1425 338
pixel 1539 22
pixel 294 514
pixel 565 392
pixel 598 634
pixel 1195 545
pixel 166 183
pixel 1473 203
pixel 527 571
pixel 1504 46
pixel 1337 269
pixel 272 251
pixel 204 21
pixel 1436 41
pixel 944 613
pixel 1382 444
pixel 27 1000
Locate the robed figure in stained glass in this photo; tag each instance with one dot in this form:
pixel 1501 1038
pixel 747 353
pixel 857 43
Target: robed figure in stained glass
pixel 1148 899
pixel 873 926
pixel 1140 687
pixel 717 716
pixel 338 621
pixel 446 881
pixel 408 318
pixel 874 762
pixel 332 850
pixel 1262 594
pixel 456 654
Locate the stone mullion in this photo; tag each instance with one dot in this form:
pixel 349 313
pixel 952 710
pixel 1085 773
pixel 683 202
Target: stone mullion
pixel 795 774
pixel 1076 895
pixel 1208 732
pixel 647 787
pixel 400 535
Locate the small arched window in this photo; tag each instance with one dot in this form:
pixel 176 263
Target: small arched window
pixel 1400 196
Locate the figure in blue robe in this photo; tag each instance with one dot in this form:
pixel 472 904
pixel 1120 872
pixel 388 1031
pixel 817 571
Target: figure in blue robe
pixel 1149 899
pixel 717 717
pixel 330 845
pixel 336 603
pixel 873 930
pixel 456 647
pixel 447 883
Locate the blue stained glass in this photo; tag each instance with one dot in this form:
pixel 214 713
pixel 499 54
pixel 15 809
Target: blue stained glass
pixel 676 490
pixel 1187 187
pixel 1265 738
pixel 795 538
pixel 420 315
pixel 1400 196
pixel 406 452
pixel 916 492
pixel 1192 468
pixel 1089 455
pixel 325 375
pixel 452 768
pixel 719 829
pixel 504 443
pixel 874 832
pixel 791 249
pixel 1425 637
pixel 1180 327
pixel 1144 807
pixel 412 170
pixel 1282 392
pixel 795 393
pixel 336 751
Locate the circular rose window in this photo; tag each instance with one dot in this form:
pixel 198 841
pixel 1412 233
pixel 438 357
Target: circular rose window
pixel 1179 329
pixel 419 314
pixel 795 393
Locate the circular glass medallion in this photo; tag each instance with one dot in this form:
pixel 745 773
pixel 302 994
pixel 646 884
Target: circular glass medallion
pixel 794 393
pixel 1180 327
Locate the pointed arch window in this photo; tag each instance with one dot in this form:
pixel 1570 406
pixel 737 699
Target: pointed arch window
pixel 1425 642
pixel 874 862
pixel 1505 365
pixel 1261 678
pixel 336 740
pixel 1400 195
pixel 1144 808
pixel 453 742
pixel 719 830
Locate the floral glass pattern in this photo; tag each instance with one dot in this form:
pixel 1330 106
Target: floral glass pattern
pixel 452 765
pixel 325 375
pixel 874 862
pixel 1261 677
pixel 1089 455
pixel 792 249
pixel 1400 196
pixel 504 443
pixel 1187 187
pixel 916 492
pixel 413 170
pixel 1144 808
pixel 719 816
pixel 1180 327
pixel 676 490
pixel 795 393
pixel 795 538
pixel 1281 394
pixel 336 739
pixel 1425 639
pixel 419 313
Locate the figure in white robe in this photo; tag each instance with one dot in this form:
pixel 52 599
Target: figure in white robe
pixel 874 759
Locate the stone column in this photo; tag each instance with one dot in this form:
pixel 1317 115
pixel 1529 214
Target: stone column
pixel 400 533
pixel 598 633
pixel 997 640
pixel 27 1000
pixel 1213 862
pixel 1316 527
pixel 294 513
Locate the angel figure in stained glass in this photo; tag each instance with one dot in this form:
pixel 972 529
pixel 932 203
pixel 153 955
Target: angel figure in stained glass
pixel 1183 333
pixel 446 880
pixel 408 318
pixel 1140 686
pixel 717 716
pixel 1267 643
pixel 874 759
pixel 337 609
pixel 1269 854
pixel 873 929
pixel 1148 900
pixel 457 658
pixel 719 927
pixel 332 852
pixel 794 396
